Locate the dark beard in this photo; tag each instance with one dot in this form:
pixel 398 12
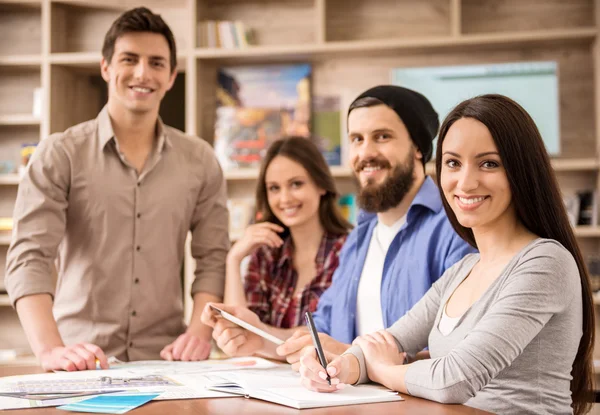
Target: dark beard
pixel 380 198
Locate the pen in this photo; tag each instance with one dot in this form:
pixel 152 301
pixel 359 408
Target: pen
pixel 98 367
pixel 313 332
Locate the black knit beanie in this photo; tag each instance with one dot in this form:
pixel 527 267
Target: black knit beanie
pixel 414 110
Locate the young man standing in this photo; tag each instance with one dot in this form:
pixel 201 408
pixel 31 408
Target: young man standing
pixel 403 242
pixel 113 200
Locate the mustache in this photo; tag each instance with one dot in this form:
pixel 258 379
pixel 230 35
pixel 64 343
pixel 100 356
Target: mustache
pixel 379 162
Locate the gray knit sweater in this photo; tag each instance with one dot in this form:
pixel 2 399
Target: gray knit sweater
pixel 512 351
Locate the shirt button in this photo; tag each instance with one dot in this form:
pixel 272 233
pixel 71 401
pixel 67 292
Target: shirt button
pixel 139 215
pixel 137 248
pixel 137 281
pixel 133 313
pixel 139 184
pixel 130 344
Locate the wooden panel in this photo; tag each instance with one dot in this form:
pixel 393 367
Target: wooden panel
pixel 3 250
pixel 16 90
pixel 8 195
pixel 82 29
pixel 385 19
pixel 172 107
pixel 178 19
pixel 483 16
pixel 274 22
pixel 11 139
pixel 349 77
pixel 79 29
pixel 74 97
pixel 206 104
pixel 20 30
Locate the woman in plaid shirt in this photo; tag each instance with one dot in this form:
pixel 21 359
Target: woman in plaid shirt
pixel 294 250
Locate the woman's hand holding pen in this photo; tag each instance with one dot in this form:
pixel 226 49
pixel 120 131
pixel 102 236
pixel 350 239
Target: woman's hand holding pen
pixel 342 370
pixel 380 351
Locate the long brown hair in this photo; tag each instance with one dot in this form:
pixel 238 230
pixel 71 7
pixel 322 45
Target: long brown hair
pixel 304 152
pixel 538 205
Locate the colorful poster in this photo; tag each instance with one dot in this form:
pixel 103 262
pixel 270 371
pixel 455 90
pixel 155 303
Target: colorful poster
pixel 257 105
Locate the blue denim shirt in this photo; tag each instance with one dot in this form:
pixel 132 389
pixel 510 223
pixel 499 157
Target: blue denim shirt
pixel 423 249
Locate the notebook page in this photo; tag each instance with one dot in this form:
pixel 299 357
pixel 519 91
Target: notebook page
pixel 300 397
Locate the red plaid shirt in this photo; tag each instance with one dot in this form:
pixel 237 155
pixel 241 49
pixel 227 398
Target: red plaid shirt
pixel 271 281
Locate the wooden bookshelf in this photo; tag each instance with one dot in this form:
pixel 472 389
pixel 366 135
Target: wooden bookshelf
pixel 9 179
pixel 21 61
pixel 252 173
pixel 19 119
pixel 351 44
pixel 385 46
pixel 4 239
pixel 587 231
pixel 91 60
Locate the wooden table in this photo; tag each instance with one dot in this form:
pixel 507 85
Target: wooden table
pixel 238 406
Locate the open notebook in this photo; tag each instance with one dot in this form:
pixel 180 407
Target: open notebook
pixel 282 386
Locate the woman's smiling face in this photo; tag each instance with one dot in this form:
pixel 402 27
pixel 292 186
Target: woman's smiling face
pixel 473 177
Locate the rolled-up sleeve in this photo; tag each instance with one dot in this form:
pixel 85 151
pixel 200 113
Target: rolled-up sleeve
pixel 210 226
pixel 39 221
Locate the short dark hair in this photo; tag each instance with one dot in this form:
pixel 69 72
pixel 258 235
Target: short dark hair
pixel 538 204
pixel 304 152
pixel 365 103
pixel 140 19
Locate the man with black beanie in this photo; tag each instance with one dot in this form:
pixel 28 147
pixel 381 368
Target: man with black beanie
pixel 403 242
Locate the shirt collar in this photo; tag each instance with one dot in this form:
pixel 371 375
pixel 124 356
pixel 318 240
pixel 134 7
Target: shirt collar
pixel 427 196
pixel 106 132
pixel 287 251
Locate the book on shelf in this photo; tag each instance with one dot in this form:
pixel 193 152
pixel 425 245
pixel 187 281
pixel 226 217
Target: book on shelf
pixel 257 105
pixel 572 206
pixel 282 386
pixel 588 208
pixel 348 207
pixel 241 214
pixel 224 34
pixel 327 128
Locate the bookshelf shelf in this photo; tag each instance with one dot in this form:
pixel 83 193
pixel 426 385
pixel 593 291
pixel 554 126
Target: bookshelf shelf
pixel 9 179
pixel 5 239
pixel 587 231
pixel 383 46
pixel 19 119
pixel 21 61
pixel 241 174
pixel 252 173
pixel 91 60
pixel 559 165
pixel 77 59
pixel 576 164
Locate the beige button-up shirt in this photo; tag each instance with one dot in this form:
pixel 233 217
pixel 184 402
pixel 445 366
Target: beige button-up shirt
pixel 118 236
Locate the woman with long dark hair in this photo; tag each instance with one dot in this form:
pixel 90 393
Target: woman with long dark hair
pixel 510 329
pixel 294 248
